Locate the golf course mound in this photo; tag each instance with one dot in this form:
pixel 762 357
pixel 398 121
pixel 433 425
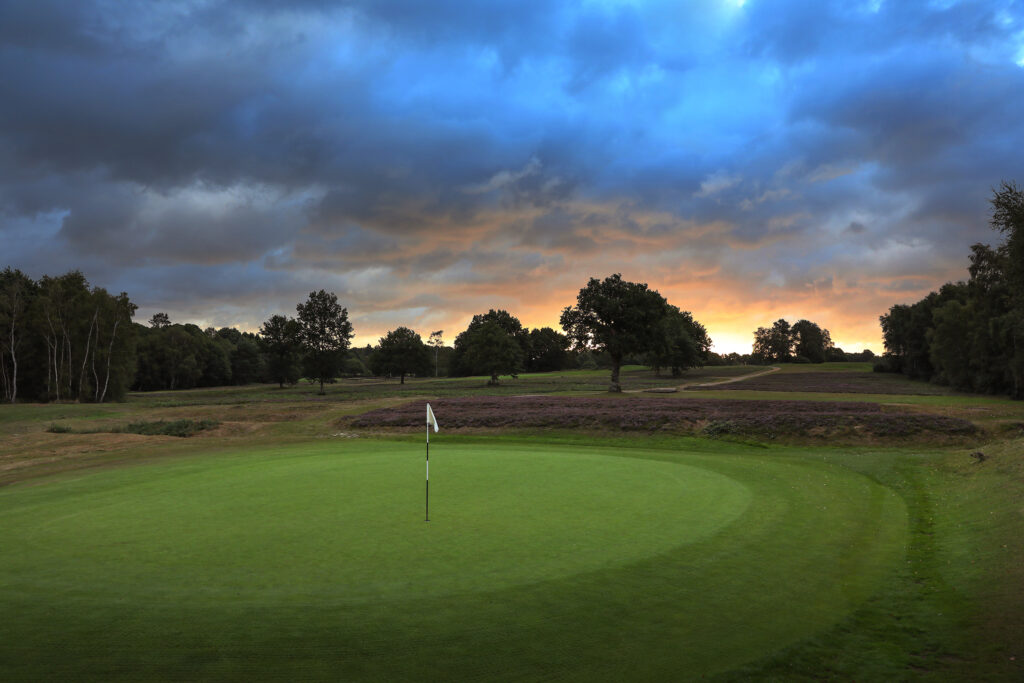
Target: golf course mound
pixel 316 561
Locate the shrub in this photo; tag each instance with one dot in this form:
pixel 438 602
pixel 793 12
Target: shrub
pixel 180 428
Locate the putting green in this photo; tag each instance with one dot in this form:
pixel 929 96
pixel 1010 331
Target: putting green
pixel 316 561
pixel 350 527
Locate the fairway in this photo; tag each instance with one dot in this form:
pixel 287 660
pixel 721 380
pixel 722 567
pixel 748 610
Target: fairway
pixel 316 560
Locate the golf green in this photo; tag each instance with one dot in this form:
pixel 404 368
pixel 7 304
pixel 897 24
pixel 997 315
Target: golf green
pixel 317 561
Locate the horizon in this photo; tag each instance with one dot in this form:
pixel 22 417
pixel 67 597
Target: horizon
pixel 218 161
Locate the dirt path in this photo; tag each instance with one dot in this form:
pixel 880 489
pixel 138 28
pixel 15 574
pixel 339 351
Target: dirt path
pixel 773 368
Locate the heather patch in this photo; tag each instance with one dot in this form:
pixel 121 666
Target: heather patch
pixel 710 417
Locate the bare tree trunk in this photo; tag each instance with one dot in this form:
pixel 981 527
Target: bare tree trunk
pixel 49 373
pixel 14 354
pixel 14 370
pixel 3 377
pixel 85 356
pixel 110 357
pixel 51 353
pixel 70 366
pixel 95 377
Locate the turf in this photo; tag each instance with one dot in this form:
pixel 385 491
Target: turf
pixel 561 560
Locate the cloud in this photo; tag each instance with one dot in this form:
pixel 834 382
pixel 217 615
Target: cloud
pixel 715 183
pixel 220 160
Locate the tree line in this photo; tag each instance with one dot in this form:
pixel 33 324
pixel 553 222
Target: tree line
pixel 969 335
pixel 65 340
pixel 312 345
pixel 802 342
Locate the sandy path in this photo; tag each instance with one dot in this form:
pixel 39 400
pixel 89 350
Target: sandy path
pixel 773 368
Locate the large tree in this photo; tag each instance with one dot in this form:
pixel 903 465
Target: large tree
pixel 615 316
pixel 279 337
pixel 488 349
pixel 682 343
pixel 810 341
pixel 774 344
pixel 503 319
pixel 400 352
pixel 325 335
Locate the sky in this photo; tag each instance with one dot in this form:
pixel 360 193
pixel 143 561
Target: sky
pixel 426 162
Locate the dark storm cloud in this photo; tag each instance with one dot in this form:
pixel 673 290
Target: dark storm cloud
pixel 245 151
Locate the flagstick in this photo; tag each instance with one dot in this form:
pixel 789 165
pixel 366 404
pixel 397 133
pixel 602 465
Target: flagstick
pixel 428 474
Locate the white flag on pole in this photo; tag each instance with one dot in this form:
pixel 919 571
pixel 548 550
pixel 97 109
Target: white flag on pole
pixel 431 420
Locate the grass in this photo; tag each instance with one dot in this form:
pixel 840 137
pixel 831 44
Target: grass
pixel 527 550
pixel 270 547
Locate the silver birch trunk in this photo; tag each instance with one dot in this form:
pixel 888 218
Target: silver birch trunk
pixel 110 356
pixel 85 356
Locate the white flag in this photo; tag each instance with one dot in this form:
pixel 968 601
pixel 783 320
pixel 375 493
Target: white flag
pixel 431 420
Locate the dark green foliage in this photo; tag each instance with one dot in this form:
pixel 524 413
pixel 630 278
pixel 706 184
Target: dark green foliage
pixel 774 344
pixel 462 364
pixel 59 429
pixel 325 333
pixel 246 361
pixel 214 358
pixel 62 340
pixel 682 343
pixel 487 348
pixel 401 352
pixel 353 367
pixel 970 335
pixel 181 357
pixel 279 337
pixel 548 351
pixel 810 341
pixel 616 316
pixel 802 342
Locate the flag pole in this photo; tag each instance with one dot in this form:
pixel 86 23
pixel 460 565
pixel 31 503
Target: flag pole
pixel 431 420
pixel 427 510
